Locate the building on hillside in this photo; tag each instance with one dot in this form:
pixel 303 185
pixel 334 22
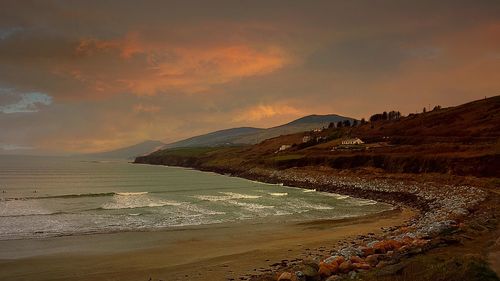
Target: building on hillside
pixel 306 139
pixel 353 141
pixel 284 147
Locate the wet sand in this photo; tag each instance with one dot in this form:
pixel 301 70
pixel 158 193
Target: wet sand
pixel 216 252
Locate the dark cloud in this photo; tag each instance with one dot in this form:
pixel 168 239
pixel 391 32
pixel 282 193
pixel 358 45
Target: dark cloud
pixel 101 74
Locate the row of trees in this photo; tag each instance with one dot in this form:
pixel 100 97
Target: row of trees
pixel 391 115
pixel 346 123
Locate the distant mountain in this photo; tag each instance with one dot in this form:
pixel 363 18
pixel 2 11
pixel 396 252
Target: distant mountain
pixel 249 135
pixel 217 138
pixel 130 152
pixel 233 136
pixel 315 119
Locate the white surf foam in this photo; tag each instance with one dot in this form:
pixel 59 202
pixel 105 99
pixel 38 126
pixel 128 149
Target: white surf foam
pixel 278 193
pixel 136 201
pixel 226 196
pixel 363 202
pixel 23 208
pixel 131 193
pixel 303 206
pixel 335 195
pixel 233 195
pixel 250 206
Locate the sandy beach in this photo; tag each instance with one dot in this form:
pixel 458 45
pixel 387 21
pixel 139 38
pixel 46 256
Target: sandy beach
pixel 216 252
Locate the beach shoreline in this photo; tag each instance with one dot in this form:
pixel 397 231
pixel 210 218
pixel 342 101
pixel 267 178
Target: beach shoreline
pixel 221 251
pixel 448 207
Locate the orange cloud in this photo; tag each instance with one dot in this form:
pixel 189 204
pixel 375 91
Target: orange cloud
pixel 145 67
pixel 146 108
pixel 260 112
pixel 196 69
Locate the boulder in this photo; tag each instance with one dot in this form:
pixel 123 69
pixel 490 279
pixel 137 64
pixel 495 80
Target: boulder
pixel 367 251
pixel 347 252
pixel 311 272
pixel 333 267
pixel 345 266
pixel 299 276
pixel 393 245
pixel 356 259
pixel 362 266
pixel 324 270
pixel 330 259
pixel 339 260
pixel 379 247
pixel 419 242
pixel 406 240
pixel 372 259
pixel 312 264
pixel 382 264
pixel 285 276
pixel 333 278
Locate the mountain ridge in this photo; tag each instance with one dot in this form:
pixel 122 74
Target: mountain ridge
pixel 226 137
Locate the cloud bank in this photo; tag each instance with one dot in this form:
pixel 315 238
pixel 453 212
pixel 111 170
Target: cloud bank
pixel 95 75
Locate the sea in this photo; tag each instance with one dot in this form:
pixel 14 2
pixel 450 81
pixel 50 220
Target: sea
pixel 60 196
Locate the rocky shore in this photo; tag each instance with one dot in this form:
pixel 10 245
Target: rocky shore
pixel 443 213
pixel 443 210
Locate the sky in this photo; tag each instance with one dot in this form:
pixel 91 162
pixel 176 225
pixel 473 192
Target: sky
pixel 87 76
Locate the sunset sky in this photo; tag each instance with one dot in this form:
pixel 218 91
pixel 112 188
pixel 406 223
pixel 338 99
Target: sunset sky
pixel 84 76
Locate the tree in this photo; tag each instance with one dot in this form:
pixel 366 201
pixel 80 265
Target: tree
pixel 339 124
pixel 425 110
pixel 347 123
pixel 355 123
pixel 394 115
pixel 363 121
pixel 331 125
pixel 384 116
pixel 376 117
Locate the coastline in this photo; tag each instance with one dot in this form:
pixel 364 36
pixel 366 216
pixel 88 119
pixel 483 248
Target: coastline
pixel 221 252
pixel 446 213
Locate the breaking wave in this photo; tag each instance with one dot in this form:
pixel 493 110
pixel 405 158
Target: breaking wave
pixel 132 200
pixel 226 196
pixel 278 193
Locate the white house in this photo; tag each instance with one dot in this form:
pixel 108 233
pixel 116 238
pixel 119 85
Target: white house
pixel 353 141
pixel 284 147
pixel 306 139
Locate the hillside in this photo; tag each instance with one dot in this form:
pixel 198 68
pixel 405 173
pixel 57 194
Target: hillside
pixel 217 138
pixel 306 123
pixel 462 140
pixel 477 119
pixel 249 135
pixel 129 152
pixel 228 137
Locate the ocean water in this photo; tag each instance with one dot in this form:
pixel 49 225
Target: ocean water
pixel 45 197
